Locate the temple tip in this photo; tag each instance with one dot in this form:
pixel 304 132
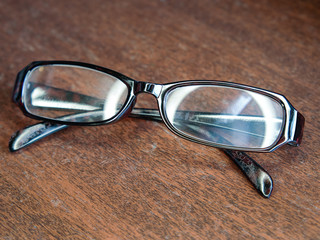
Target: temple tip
pixel 266 185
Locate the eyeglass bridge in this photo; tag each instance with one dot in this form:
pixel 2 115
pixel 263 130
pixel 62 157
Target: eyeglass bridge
pixel 147 87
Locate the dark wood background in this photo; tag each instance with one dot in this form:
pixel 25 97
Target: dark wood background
pixel 135 179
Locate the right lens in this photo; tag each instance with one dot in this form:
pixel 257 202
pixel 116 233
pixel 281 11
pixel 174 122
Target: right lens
pixel 226 116
pixel 73 93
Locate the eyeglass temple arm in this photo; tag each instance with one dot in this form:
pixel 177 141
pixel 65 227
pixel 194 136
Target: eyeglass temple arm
pixel 259 177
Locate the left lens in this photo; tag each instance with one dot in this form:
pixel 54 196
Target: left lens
pixel 73 93
pixel 225 116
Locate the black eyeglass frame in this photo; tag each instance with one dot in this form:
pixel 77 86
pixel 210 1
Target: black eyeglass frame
pixel 291 131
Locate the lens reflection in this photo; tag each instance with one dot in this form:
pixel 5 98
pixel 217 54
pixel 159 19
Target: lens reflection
pixel 73 93
pixel 224 115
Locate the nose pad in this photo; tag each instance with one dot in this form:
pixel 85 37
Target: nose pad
pixel 129 110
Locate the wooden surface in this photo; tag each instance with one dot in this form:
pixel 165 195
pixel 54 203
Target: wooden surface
pixel 135 179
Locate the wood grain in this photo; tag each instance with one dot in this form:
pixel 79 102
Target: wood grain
pixel 135 179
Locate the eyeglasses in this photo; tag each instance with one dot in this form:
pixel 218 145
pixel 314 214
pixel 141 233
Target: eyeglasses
pixel 219 114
